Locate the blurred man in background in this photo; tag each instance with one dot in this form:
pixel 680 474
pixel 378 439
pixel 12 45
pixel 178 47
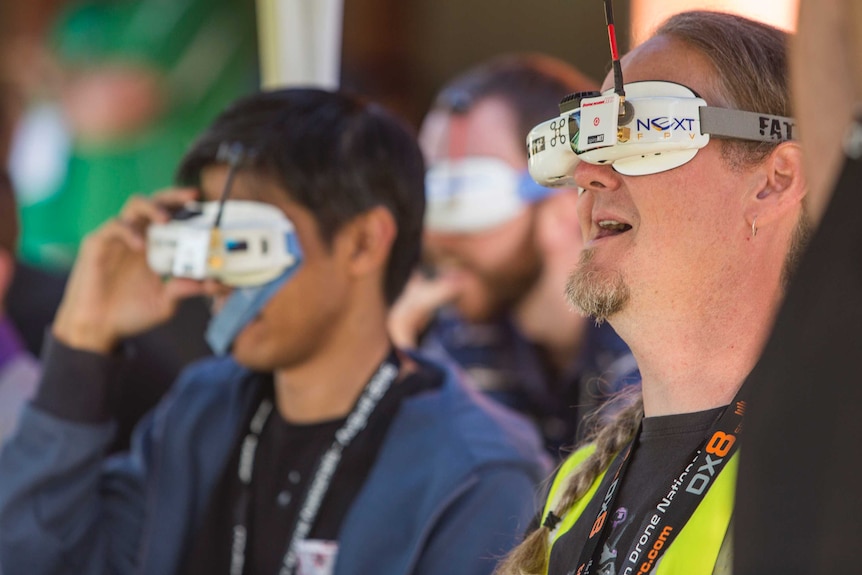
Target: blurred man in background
pixel 500 248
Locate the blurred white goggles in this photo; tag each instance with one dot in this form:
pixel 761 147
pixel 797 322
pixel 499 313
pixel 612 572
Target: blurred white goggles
pixel 253 245
pixel 476 193
pixel 660 126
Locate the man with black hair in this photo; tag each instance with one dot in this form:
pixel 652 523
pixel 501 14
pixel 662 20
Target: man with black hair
pixel 315 446
pixel 501 248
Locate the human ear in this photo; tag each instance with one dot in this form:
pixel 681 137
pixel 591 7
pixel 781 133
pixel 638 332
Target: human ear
pixel 782 189
pixel 370 237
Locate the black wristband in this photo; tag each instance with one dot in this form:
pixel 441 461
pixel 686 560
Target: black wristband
pixel 75 384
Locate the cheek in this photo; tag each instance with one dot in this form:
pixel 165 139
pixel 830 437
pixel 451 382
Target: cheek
pixel 294 296
pixel 684 234
pixel 667 204
pixel 585 219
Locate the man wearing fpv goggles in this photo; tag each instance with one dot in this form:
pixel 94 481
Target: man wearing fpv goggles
pixel 691 209
pixel 500 246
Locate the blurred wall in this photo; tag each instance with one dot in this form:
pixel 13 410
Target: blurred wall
pixel 647 15
pixel 401 51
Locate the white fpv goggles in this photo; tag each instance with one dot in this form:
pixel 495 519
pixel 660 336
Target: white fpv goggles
pixel 476 193
pixel 659 126
pixel 253 244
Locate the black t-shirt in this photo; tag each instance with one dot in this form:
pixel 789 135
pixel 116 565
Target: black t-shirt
pixel 799 506
pixel 665 446
pixel 284 465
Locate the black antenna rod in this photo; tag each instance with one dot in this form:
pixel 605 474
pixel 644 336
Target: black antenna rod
pixel 233 155
pixel 615 54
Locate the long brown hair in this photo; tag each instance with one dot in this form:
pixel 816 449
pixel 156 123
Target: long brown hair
pixel 750 61
pixel 531 556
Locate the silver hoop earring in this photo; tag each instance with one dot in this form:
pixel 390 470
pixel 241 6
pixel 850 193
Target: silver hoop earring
pixel 754 227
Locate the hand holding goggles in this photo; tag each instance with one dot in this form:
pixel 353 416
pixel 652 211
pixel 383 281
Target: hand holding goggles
pixel 663 127
pixel 253 244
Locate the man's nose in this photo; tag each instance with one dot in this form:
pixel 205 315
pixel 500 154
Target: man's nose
pixel 596 176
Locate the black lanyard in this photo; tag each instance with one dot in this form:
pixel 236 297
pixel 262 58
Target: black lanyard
pixel 676 502
pixel 355 422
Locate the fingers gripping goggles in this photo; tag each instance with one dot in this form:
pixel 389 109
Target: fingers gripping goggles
pixel 658 126
pixel 253 248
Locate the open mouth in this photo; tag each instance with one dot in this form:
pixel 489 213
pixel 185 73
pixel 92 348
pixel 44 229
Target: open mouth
pixel 611 228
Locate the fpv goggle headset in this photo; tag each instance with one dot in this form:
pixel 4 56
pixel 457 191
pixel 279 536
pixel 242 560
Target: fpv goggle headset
pixel 253 244
pixel 476 193
pixel 655 126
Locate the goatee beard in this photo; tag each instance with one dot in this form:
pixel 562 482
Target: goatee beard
pixel 596 293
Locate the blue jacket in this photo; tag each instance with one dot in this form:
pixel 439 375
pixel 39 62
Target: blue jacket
pixel 514 371
pixel 452 489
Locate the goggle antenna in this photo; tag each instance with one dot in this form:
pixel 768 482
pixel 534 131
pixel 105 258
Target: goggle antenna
pixel 615 54
pixel 234 155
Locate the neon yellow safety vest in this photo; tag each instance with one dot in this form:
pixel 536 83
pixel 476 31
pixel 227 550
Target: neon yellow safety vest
pixel 695 551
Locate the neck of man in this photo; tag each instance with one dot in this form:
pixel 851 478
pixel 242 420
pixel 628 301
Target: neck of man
pixel 326 385
pixel 545 318
pixel 694 355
